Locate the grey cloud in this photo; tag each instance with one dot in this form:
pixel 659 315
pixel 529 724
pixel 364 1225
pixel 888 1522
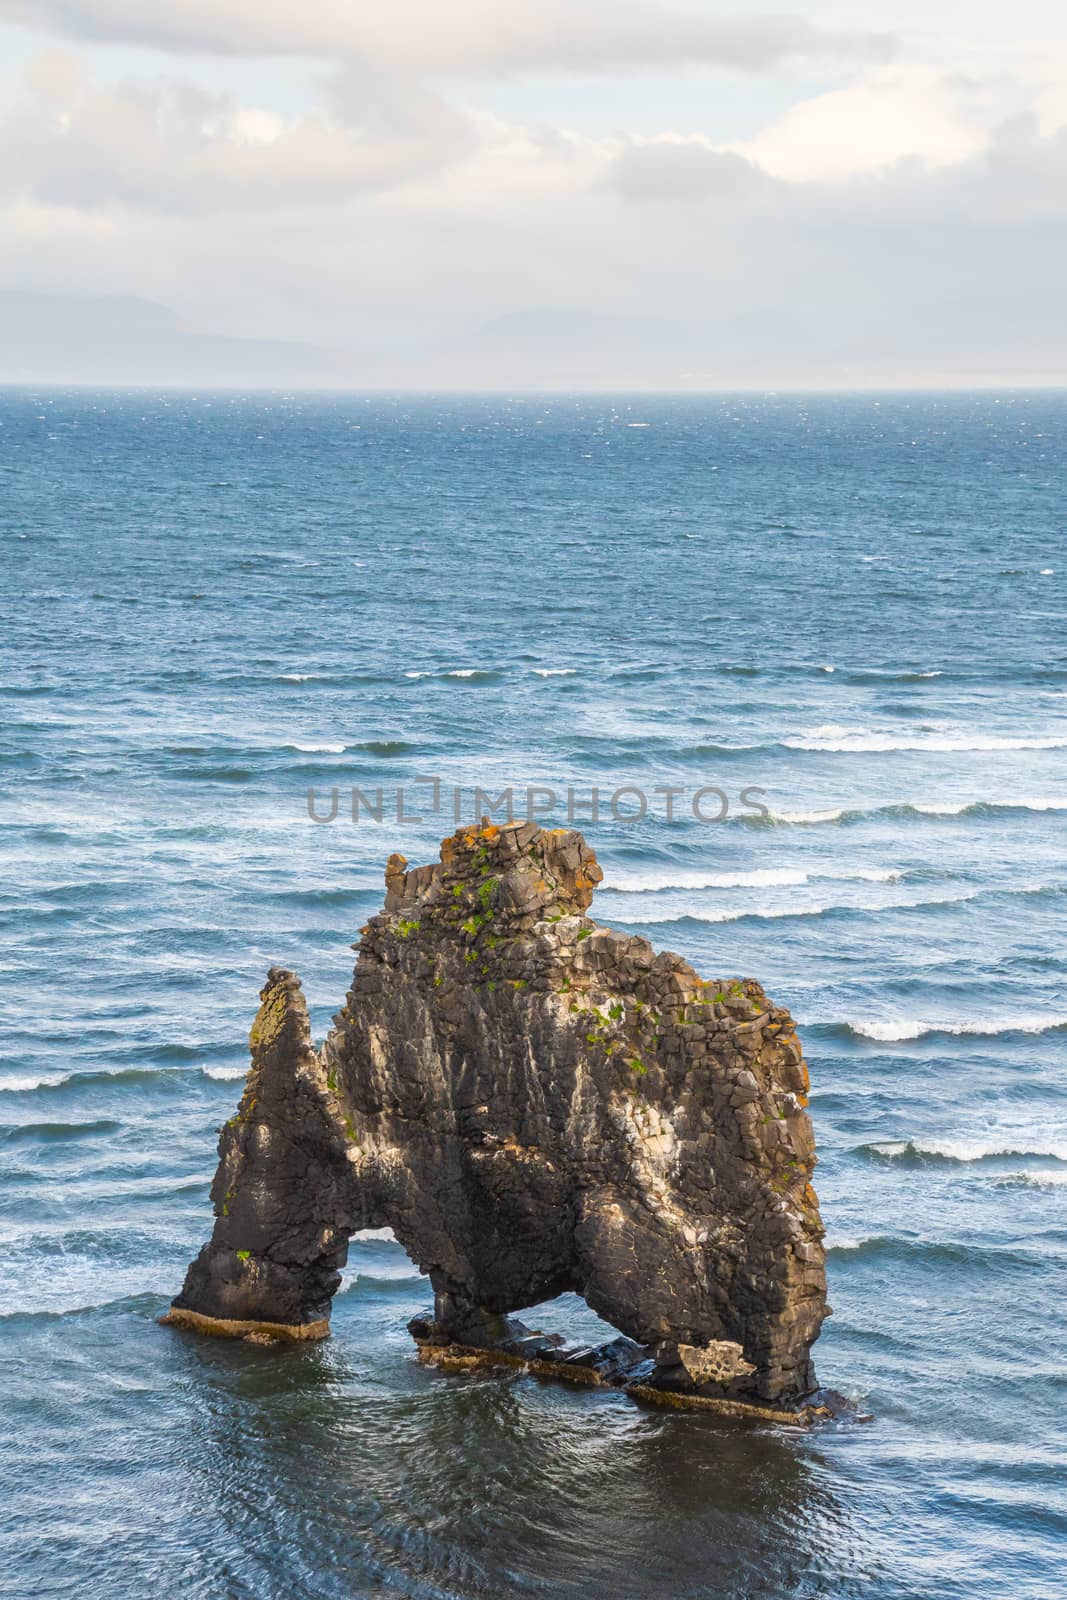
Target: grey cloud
pixel 683 169
pixel 456 36
pixel 1020 177
pixel 391 106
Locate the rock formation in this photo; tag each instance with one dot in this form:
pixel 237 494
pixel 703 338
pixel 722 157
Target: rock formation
pixel 533 1104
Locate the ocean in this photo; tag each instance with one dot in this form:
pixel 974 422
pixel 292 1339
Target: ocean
pixel 826 633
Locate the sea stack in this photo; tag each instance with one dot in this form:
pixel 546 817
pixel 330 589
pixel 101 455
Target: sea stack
pixel 534 1104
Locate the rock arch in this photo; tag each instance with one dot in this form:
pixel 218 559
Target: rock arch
pixel 533 1104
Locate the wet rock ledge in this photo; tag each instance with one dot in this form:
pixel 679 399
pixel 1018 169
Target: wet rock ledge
pixel 533 1104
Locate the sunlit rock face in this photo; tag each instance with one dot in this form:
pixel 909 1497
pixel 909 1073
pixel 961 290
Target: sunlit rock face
pixel 533 1104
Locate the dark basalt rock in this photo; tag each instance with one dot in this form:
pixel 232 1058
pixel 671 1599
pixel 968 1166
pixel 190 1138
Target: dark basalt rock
pixel 533 1104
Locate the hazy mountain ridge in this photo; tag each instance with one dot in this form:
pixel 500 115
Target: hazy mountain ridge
pixel 107 339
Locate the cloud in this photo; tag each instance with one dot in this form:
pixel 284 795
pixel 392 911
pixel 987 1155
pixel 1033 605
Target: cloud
pixel 902 112
pixel 674 168
pixel 1016 182
pixel 166 145
pixel 466 37
pixel 1021 177
pixel 906 120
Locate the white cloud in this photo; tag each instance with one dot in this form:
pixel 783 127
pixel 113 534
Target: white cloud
pixel 900 113
pixel 167 145
pixel 455 36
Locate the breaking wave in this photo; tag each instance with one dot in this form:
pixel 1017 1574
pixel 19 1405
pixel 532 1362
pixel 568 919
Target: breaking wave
pixel 901 1029
pixel 168 1078
pixel 27 1082
pixel 1004 1146
pixel 800 818
pixel 907 808
pixel 623 882
pixel 51 1132
pixel 680 878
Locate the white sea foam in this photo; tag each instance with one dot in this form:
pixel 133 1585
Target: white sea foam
pixel 900 674
pixel 930 808
pixel 773 913
pixel 463 672
pixel 225 1074
pixel 26 1082
pixel 896 1030
pixel 317 749
pixel 555 672
pixel 799 818
pixel 623 882
pixel 863 875
pixel 58 1279
pixel 956 808
pixel 682 878
pixel 890 1032
pixel 416 674
pixel 816 909
pixel 296 677
pixel 827 669
pixel 735 913
pixel 865 741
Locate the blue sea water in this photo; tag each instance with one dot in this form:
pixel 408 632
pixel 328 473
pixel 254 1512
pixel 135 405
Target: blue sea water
pixel 853 604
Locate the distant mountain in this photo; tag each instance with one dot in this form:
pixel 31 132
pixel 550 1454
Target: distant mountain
pixel 120 339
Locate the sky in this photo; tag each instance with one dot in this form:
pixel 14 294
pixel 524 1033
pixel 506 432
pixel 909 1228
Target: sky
pixel 534 193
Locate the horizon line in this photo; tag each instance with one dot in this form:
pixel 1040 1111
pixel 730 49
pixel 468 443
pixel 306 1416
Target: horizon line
pixel 140 386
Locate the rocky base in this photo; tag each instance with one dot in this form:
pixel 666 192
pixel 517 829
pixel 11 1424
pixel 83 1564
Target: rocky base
pixel 254 1332
pixel 639 1371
